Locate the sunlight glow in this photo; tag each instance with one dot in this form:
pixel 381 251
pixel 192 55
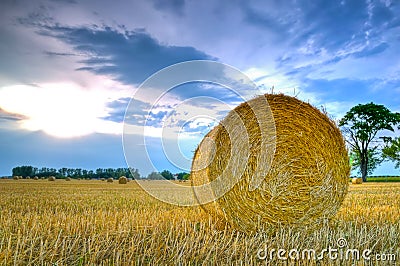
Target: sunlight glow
pixel 60 109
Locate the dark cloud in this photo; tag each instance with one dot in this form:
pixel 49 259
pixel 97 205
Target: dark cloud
pixel 4 115
pixel 129 56
pixel 53 54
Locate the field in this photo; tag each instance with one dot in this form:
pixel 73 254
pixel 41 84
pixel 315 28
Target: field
pixel 97 223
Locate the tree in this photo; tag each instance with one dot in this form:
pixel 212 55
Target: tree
pixel 135 173
pixel 155 176
pixel 181 176
pixel 167 175
pixel 362 124
pixel 186 176
pixel 391 151
pixel 374 160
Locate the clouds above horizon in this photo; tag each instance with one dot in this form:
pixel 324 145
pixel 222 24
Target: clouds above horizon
pixel 334 54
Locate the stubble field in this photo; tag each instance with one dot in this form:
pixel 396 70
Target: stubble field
pixel 98 223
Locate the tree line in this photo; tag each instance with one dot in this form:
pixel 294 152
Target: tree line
pixel 31 171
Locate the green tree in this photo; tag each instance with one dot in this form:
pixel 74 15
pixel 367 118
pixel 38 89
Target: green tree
pixel 362 124
pixel 391 151
pixel 374 160
pixel 180 176
pixel 186 176
pixel 167 175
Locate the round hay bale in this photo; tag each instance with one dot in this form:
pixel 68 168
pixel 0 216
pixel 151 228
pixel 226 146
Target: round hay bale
pixel 35 178
pixel 110 180
pixel 68 178
pixel 102 179
pixel 15 177
pixel 304 179
pixel 123 180
pixel 28 177
pixel 356 180
pixel 51 178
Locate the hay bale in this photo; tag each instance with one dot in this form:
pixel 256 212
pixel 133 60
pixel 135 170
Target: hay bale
pixel 123 180
pixel 356 180
pixel 35 178
pixel 110 180
pixel 28 177
pixel 68 178
pixel 296 153
pixel 15 177
pixel 102 179
pixel 51 178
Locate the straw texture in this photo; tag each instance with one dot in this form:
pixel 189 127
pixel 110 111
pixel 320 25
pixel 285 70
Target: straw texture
pixel 304 181
pixel 356 180
pixel 122 180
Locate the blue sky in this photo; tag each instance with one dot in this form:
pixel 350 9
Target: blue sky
pixel 68 69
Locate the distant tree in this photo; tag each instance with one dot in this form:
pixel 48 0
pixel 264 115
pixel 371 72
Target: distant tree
pixel 391 151
pixel 25 170
pixel 180 176
pixel 75 172
pixel 362 124
pixel 134 173
pixel 63 171
pixel 374 160
pixel 155 176
pixel 167 175
pixel 186 176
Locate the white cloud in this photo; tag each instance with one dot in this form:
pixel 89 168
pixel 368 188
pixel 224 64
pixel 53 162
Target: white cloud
pixel 64 109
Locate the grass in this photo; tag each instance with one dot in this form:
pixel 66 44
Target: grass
pixel 383 179
pixel 98 223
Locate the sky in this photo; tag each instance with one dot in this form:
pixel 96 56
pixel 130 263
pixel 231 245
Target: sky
pixel 69 69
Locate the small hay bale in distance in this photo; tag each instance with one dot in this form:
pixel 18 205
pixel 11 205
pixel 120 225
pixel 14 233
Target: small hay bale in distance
pixel 110 180
pixel 68 178
pixel 122 180
pixel 35 178
pixel 307 177
pixel 15 177
pixel 28 177
pixel 51 178
pixel 102 179
pixel 356 180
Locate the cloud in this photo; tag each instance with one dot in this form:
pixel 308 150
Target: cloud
pixel 4 115
pixel 130 56
pixel 60 109
pixel 366 52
